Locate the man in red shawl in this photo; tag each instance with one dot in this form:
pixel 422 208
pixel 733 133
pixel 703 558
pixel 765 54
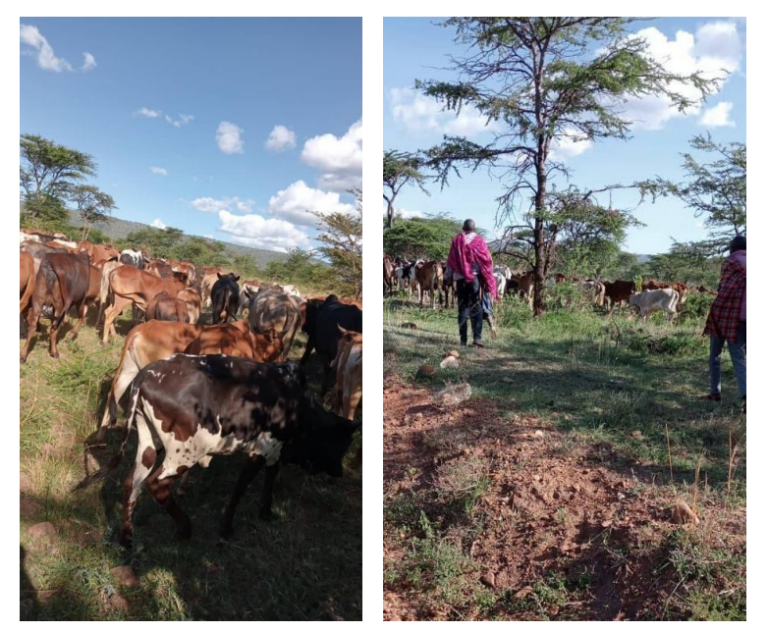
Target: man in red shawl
pixel 472 267
pixel 727 321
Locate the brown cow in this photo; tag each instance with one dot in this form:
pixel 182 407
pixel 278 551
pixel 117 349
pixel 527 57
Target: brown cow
pixel 429 277
pixel 163 307
pixel 26 280
pixel 61 282
pixel 185 267
pixel 98 252
pixel 156 340
pixel 128 285
pixel 681 288
pixel 348 391
pixel 159 268
pixel 619 291
pixel 525 287
pixel 237 340
pixel 194 304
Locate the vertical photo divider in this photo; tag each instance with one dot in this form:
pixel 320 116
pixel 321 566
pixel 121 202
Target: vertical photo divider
pixel 373 79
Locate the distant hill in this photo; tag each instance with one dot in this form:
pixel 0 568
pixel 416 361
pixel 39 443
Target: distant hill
pixel 119 229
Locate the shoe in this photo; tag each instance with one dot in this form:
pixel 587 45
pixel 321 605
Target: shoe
pixel 711 397
pixel 478 343
pixel 463 342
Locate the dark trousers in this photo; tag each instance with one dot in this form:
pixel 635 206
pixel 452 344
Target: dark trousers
pixel 470 308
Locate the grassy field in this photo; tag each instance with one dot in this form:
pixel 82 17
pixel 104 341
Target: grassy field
pixel 550 493
pixel 304 564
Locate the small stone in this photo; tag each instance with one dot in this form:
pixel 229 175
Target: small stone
pixel 453 395
pixel 538 434
pixel 124 575
pixel 42 530
pixel 522 593
pixel 489 580
pixel 449 362
pixel 508 380
pixel 453 353
pixel 621 496
pixel 25 483
pixel 425 370
pixel 637 434
pixel 410 325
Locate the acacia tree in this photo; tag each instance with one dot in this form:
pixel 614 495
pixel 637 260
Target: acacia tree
pixel 49 173
pixel 715 190
pixel 343 245
pixel 400 168
pixel 544 81
pixel 93 205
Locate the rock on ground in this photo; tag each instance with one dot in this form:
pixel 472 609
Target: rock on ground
pixel 449 362
pixel 453 395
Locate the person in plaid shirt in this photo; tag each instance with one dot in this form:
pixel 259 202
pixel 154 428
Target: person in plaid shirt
pixel 727 321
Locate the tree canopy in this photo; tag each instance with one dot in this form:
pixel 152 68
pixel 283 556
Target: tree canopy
pixel 542 81
pixel 400 168
pixel 421 237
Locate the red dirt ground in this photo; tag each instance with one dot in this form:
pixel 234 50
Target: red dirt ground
pixel 552 508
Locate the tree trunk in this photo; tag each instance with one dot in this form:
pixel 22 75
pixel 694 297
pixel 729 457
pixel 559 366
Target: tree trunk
pixel 538 236
pixel 390 213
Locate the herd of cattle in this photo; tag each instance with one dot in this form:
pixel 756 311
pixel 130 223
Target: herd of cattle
pixel 199 390
pixel 435 278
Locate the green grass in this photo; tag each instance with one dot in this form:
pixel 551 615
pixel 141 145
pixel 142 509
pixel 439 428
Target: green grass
pixel 304 564
pixel 614 384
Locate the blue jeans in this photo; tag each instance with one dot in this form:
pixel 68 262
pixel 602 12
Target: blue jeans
pixel 738 352
pixel 470 308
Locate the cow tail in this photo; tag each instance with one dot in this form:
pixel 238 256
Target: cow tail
pixel 118 457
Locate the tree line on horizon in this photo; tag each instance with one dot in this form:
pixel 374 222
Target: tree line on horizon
pixel 53 184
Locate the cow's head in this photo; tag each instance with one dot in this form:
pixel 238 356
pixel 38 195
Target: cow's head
pixel 323 446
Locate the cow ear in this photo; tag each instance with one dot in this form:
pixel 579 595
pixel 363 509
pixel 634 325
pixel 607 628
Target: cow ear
pixel 218 275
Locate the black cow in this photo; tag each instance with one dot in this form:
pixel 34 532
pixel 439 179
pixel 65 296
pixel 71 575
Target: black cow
pixel 225 298
pixel 321 324
pixel 200 406
pixel 61 283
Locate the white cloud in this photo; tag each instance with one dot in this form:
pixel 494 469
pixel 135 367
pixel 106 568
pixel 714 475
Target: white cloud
pixel 158 170
pixel 183 120
pixel 148 113
pixel 718 116
pixel 211 205
pixel 281 138
pixel 46 59
pixel 420 113
pixel 409 214
pixel 299 201
pixel 89 62
pixel 144 111
pixel 228 138
pixel 157 223
pixel 339 159
pixel 714 50
pixel 256 231
pixel 570 145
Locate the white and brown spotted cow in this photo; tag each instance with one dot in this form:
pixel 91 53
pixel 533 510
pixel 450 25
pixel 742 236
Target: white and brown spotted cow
pixel 195 407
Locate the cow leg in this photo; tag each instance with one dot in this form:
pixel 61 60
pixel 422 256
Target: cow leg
pixel 59 313
pixel 82 314
pixel 351 401
pixel 110 315
pixel 146 457
pixel 159 486
pixel 33 318
pixel 252 467
pixel 265 510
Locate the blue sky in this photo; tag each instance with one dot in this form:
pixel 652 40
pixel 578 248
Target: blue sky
pixel 231 128
pixel 415 48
